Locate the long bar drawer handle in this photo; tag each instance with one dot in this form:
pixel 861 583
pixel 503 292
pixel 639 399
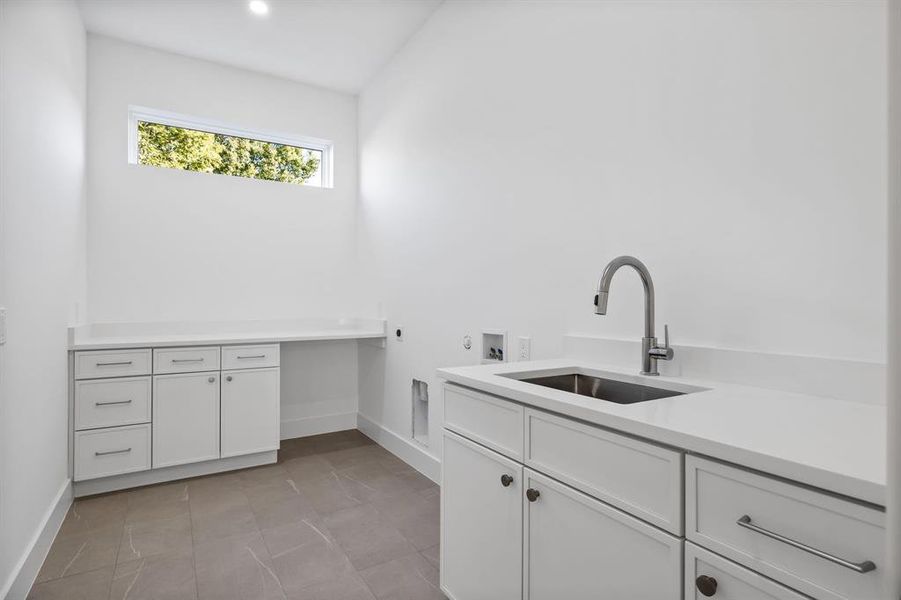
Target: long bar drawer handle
pixel 186 360
pixel 112 402
pixel 254 356
pixel 861 567
pixel 120 363
pixel 108 452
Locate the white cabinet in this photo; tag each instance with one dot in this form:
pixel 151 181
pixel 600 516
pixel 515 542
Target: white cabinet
pixel 509 532
pixel 193 404
pixel 185 418
pixel 599 510
pixel 481 523
pixel 250 411
pixel 581 549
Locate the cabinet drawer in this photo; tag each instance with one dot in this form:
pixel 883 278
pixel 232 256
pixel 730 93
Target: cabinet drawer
pixel 490 421
pixel 250 357
pixel 113 451
pixel 706 572
pixel 643 479
pixel 110 402
pixel 112 363
pixel 186 360
pixel 737 514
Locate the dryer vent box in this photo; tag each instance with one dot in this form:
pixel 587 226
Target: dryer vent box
pixel 420 412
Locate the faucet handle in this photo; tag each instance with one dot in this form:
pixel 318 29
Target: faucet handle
pixel 663 352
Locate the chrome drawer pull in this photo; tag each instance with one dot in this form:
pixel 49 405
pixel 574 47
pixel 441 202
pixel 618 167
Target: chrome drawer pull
pixel 254 356
pixel 112 402
pixel 186 360
pixel 123 451
pixel 120 363
pixel 861 567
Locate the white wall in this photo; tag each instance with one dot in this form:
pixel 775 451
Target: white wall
pixel 168 245
pixel 42 153
pixel 511 149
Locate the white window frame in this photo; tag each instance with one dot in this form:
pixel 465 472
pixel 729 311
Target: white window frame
pixel 152 115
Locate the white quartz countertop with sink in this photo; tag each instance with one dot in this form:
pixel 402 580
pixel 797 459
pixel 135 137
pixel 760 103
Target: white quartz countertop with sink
pixel 104 336
pixel 835 445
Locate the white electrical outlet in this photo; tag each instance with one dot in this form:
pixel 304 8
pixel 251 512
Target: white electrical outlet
pixel 525 348
pixel 2 325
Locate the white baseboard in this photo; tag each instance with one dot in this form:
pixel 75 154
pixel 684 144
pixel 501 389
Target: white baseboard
pixel 131 480
pixel 408 451
pixel 295 428
pixel 26 571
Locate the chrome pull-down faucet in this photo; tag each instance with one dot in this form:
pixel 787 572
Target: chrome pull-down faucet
pixel 650 351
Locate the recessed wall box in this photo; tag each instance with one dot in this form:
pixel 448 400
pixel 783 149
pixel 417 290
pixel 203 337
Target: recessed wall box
pixel 494 346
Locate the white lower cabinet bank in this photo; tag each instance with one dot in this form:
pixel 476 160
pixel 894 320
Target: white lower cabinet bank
pixel 537 506
pixel 148 415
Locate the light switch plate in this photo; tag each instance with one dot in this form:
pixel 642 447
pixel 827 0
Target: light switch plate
pixel 2 325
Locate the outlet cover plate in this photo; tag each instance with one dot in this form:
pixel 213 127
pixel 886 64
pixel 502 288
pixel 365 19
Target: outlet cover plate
pixel 524 350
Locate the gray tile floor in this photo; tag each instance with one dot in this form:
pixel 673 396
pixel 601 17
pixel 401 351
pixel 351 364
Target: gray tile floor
pixel 338 518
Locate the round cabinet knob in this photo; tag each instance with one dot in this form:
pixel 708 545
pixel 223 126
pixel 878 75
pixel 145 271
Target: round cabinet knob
pixel 229 378
pixel 212 380
pixel 506 480
pixel 706 585
pixel 532 495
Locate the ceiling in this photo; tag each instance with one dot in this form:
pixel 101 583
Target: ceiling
pixel 337 44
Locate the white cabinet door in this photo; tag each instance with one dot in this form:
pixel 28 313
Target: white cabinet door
pixel 250 411
pixel 481 523
pixel 185 418
pixel 581 549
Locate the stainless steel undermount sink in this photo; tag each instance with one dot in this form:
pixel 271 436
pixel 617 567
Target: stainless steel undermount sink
pixel 610 390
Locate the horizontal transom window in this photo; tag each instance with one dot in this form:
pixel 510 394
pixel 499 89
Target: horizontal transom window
pixel 161 139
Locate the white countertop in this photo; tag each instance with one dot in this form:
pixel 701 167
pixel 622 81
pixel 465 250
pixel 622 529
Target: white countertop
pixel 104 336
pixel 834 445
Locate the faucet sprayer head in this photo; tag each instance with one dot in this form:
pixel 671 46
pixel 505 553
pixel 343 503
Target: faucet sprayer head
pixel 600 303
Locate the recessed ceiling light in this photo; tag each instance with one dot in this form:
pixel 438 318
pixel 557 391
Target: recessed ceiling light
pixel 258 7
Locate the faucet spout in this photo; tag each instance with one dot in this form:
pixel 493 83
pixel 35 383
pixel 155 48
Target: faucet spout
pixel 604 289
pixel 650 351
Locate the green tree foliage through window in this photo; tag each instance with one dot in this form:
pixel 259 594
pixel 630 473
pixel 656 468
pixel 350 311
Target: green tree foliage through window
pixel 192 150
